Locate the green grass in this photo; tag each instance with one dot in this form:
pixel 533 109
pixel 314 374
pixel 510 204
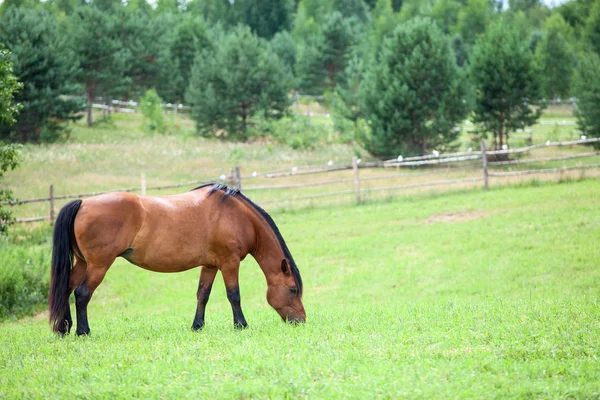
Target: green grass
pixel 466 295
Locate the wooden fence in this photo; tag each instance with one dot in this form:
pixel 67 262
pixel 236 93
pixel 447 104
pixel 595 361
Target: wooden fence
pixel 479 164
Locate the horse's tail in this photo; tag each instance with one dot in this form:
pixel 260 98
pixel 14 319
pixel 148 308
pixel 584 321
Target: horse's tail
pixel 62 262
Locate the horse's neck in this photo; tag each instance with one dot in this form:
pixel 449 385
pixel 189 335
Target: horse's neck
pixel 268 252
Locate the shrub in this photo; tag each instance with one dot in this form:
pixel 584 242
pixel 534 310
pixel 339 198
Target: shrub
pixel 297 132
pixel 24 280
pixel 152 111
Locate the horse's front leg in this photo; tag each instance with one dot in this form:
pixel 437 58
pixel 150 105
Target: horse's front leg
pixel 207 277
pixel 230 277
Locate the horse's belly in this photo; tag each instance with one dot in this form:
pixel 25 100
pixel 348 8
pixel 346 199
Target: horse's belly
pixel 172 254
pixel 162 264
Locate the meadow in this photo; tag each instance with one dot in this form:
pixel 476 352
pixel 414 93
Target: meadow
pixel 472 294
pixel 463 294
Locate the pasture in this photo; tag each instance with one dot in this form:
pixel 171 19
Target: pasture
pixel 466 294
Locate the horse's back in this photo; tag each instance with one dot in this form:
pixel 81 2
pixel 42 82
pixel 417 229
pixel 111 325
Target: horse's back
pixel 185 231
pixel 106 224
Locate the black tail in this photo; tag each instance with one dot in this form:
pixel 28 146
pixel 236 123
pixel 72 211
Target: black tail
pixel 62 262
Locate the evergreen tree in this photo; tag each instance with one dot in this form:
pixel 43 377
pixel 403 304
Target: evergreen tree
pixel 352 8
pixel 348 118
pixel 555 58
pixel 592 27
pixel 48 70
pixel 506 82
pixel 102 57
pixel 284 46
pixel 241 79
pixel 192 36
pixel 473 19
pixel 321 66
pixel 266 17
pixel 383 22
pixel 587 89
pixel 147 42
pixel 413 96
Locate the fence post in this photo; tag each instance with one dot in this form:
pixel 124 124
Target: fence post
pixel 485 165
pixel 356 179
pixel 143 183
pixel 51 204
pixel 237 178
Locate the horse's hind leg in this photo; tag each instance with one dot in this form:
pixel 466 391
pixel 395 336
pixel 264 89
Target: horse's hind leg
pixel 75 277
pixel 230 277
pixel 83 293
pixel 207 277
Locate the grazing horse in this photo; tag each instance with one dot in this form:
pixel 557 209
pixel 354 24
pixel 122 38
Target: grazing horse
pixel 212 226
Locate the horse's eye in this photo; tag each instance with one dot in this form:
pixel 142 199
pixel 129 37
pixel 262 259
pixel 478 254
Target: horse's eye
pixel 293 290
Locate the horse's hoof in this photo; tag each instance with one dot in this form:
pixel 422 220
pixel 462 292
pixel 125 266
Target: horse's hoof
pixel 197 327
pixel 239 326
pixel 83 333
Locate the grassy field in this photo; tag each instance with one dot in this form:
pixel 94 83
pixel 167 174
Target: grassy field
pixel 467 295
pixel 112 156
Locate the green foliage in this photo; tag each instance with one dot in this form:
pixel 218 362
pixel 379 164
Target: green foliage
pixel 151 106
pixel 414 96
pixel 9 154
pixel 24 280
pixel 192 36
pixel 592 28
pixel 587 86
pixel 9 85
pixel 348 117
pixel 42 61
pixel 147 42
pixel 555 58
pixel 243 78
pixel 102 58
pixel 297 132
pixel 284 46
pixel 321 66
pixel 266 17
pixel 9 159
pixel 506 82
pixel 473 19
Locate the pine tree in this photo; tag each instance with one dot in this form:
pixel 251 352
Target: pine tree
pixel 555 58
pixel 241 79
pixel 192 36
pixel 506 82
pixel 322 64
pixel 266 17
pixel 413 95
pixel 587 89
pixel 102 57
pixel 42 61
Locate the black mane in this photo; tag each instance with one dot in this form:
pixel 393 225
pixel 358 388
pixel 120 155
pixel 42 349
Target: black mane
pixel 234 192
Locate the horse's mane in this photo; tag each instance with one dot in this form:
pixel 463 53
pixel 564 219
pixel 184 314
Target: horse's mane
pixel 234 192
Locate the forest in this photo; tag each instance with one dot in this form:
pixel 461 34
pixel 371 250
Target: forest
pixel 398 76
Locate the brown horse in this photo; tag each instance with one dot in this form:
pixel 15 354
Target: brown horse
pixel 212 226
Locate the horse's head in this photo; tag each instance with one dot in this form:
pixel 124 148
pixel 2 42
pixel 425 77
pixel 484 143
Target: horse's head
pixel 285 294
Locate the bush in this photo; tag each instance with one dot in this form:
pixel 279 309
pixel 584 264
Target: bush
pixel 24 281
pixel 297 132
pixel 152 111
pixel 24 272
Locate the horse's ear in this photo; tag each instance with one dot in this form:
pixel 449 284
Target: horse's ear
pixel 285 268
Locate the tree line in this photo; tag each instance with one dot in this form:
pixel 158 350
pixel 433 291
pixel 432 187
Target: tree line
pixel 399 75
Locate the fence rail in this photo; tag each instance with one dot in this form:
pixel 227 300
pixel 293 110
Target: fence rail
pixel 433 161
